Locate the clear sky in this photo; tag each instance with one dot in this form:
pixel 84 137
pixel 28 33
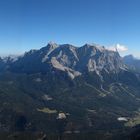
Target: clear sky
pixel 31 24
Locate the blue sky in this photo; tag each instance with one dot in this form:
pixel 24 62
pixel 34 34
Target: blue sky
pixel 31 24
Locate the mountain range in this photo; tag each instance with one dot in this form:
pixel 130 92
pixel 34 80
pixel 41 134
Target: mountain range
pixel 73 60
pixel 68 89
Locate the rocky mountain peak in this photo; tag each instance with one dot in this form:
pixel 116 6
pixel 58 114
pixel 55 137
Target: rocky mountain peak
pixel 93 46
pixel 52 45
pixel 129 57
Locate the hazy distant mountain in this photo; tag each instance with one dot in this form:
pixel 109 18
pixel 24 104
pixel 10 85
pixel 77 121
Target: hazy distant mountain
pixel 2 64
pixel 89 88
pixel 132 62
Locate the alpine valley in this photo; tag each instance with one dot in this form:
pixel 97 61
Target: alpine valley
pixel 70 93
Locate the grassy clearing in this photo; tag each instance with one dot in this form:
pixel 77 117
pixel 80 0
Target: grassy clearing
pixel 47 110
pixel 133 121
